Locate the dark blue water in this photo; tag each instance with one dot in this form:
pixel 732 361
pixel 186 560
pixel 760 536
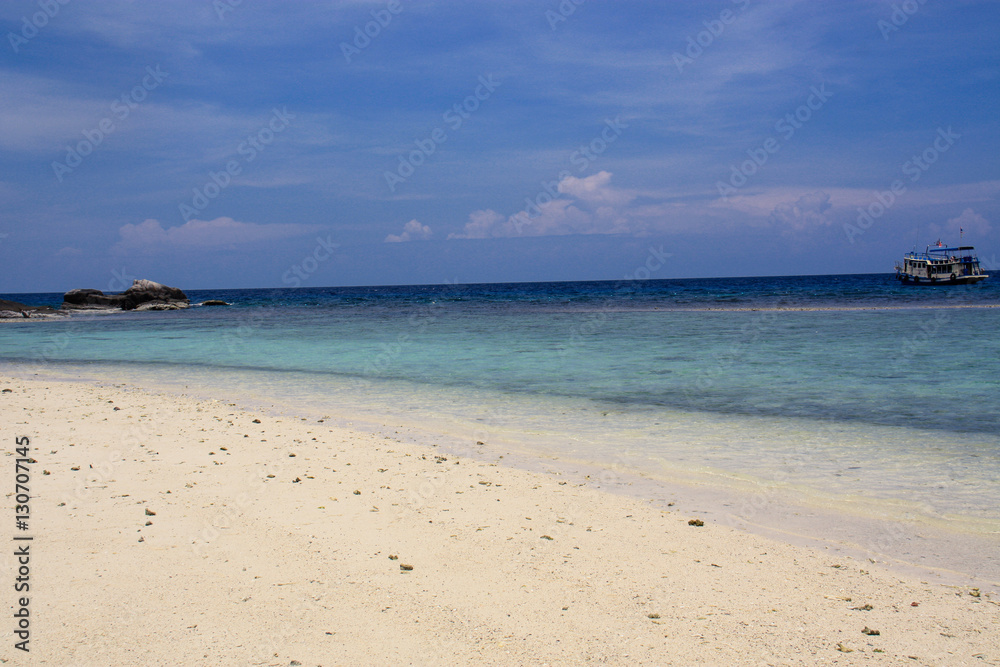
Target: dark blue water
pixel 854 291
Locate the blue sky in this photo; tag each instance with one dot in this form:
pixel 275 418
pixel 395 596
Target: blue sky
pixel 265 144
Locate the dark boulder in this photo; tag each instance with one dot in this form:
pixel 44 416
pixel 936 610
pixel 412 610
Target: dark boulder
pixel 12 306
pixel 91 299
pixel 15 310
pixel 141 291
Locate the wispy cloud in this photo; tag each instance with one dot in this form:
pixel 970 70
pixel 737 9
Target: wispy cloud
pixel 150 235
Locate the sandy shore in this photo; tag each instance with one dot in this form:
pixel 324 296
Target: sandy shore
pixel 169 530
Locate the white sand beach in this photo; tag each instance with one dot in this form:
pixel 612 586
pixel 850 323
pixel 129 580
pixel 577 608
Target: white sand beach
pixel 171 530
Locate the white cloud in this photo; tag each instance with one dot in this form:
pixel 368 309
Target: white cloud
pixel 592 205
pixel 558 217
pixel 412 231
pixel 595 189
pixel 483 225
pixel 221 232
pixel 595 208
pixel 553 218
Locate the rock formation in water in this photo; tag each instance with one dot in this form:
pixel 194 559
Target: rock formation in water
pixel 142 295
pixel 15 310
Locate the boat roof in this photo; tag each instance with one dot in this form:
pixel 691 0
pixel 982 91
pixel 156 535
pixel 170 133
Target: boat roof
pixel 963 247
pixel 933 252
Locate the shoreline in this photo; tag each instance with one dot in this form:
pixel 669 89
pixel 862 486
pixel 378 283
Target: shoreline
pixel 510 566
pixel 903 535
pixel 59 315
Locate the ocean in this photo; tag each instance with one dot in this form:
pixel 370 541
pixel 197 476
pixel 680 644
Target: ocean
pixel 842 408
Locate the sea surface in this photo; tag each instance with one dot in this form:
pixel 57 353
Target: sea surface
pixel 849 394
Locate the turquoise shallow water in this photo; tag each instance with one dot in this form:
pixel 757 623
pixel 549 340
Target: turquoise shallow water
pixel 848 392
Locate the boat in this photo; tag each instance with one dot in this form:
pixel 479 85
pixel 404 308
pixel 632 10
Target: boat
pixel 941 265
